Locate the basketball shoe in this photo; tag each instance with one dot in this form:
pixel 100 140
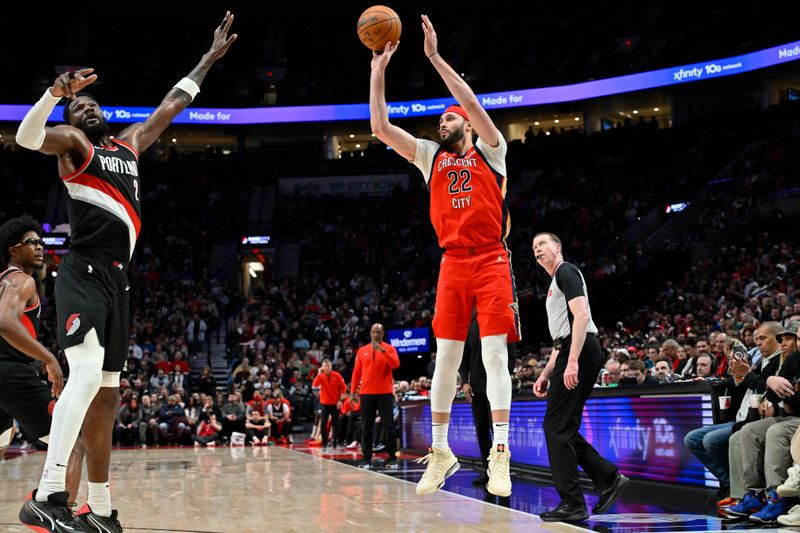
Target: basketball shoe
pixel 97 523
pixel 51 516
pixel 499 473
pixel 440 465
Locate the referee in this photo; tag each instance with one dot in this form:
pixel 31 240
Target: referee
pixel 571 373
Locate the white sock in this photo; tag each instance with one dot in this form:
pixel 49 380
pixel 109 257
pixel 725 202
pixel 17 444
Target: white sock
pixel 54 479
pixel 439 431
pixel 500 430
pixel 100 498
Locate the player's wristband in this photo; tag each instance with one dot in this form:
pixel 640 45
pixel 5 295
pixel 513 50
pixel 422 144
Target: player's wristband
pixel 189 87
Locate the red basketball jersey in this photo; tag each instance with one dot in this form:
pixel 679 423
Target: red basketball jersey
pixel 468 207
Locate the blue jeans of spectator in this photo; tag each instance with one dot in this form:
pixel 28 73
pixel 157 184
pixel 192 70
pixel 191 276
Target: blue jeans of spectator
pixel 171 429
pixel 710 445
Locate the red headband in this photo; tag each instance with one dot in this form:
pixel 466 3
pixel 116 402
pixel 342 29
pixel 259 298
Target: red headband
pixel 458 110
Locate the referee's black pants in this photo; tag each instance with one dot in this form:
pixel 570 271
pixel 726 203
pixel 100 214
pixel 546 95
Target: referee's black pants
pixel 482 417
pixel 566 448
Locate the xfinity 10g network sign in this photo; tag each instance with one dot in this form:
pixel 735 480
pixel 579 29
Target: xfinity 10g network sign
pixel 416 340
pixel 517 98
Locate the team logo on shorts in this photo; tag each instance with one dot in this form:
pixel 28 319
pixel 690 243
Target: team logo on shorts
pixel 514 307
pixel 73 323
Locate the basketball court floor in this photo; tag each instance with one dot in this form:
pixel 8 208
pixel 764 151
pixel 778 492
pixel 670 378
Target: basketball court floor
pixel 300 489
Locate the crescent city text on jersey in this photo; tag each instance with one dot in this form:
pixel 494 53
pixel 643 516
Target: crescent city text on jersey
pixel 456 162
pixel 115 164
pixel 459 202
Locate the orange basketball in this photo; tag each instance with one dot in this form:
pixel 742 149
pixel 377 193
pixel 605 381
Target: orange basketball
pixel 377 25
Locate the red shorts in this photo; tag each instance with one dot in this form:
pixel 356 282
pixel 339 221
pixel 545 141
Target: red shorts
pixel 476 278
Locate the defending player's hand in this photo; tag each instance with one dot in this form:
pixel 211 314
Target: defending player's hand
pixel 380 60
pixel 466 388
pixel 55 376
pixel 571 374
pixel 431 45
pixel 71 83
pixel 540 387
pixel 222 42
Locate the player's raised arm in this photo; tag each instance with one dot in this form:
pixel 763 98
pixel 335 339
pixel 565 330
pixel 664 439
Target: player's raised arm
pixel 32 132
pixel 400 140
pixel 462 92
pixel 144 134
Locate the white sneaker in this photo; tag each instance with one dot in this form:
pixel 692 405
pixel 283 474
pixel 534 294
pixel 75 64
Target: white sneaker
pixel 791 487
pixel 352 445
pixel 441 464
pixel 499 473
pixel 791 519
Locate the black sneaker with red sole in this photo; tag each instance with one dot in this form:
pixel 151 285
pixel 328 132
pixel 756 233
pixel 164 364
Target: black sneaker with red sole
pixel 52 516
pixel 96 523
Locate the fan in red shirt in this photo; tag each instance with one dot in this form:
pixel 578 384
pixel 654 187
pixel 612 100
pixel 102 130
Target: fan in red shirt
pixel 373 374
pixel 207 432
pixel 467 184
pixel 179 363
pixel 162 364
pixel 332 389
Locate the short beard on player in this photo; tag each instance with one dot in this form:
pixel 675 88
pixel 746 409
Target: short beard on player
pixel 96 131
pixel 453 138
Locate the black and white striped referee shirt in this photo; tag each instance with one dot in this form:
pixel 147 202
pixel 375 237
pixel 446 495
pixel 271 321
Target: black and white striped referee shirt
pixel 568 283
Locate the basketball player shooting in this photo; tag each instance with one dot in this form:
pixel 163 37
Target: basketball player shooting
pixel 101 175
pixel 467 184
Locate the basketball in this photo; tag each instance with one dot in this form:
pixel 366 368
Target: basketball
pixel 377 25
